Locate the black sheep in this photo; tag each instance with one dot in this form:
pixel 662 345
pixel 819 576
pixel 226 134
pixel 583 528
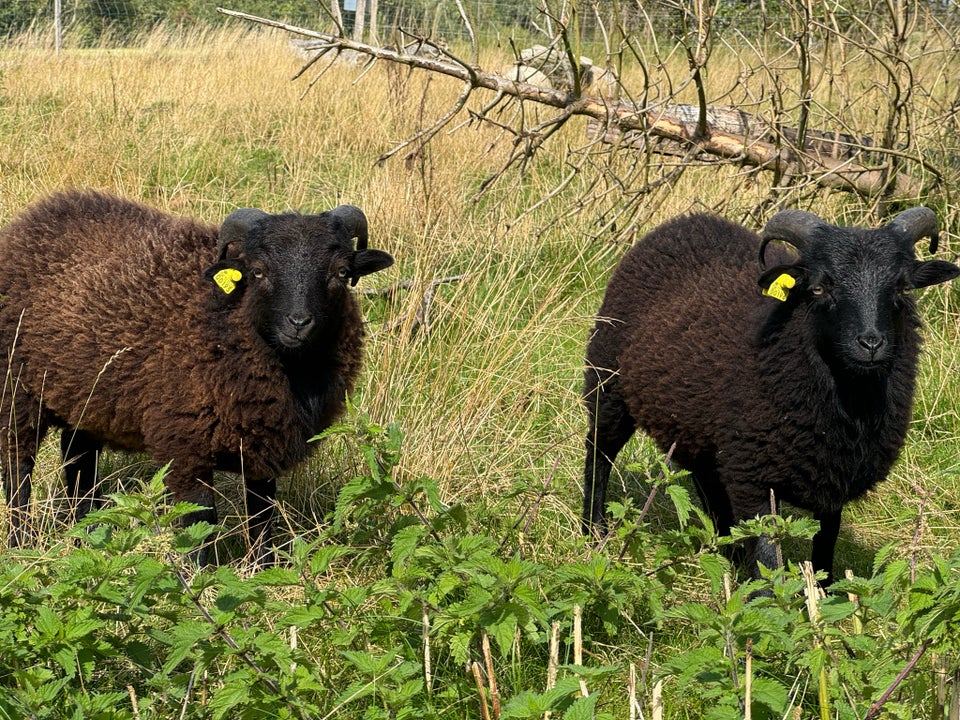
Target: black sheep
pixel 214 348
pixel 805 388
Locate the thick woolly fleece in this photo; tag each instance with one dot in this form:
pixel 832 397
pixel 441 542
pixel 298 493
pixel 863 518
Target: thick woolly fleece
pixel 110 327
pixel 686 348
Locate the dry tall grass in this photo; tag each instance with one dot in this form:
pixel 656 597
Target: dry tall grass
pixel 488 395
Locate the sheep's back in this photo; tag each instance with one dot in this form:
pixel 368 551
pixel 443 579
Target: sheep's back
pixel 688 286
pixel 89 283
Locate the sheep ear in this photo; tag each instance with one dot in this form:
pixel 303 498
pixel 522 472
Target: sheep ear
pixel 932 272
pixel 227 279
pixel 365 262
pixel 777 282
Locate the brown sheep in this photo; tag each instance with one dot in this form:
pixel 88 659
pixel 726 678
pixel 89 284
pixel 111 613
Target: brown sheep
pixel 211 348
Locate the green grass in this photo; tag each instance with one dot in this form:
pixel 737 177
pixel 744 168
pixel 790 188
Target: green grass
pixel 488 395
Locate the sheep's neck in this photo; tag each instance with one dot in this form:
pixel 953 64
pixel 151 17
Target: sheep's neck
pixel 862 398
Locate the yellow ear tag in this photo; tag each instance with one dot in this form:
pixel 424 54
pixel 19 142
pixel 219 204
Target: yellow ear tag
pixel 227 279
pixel 779 287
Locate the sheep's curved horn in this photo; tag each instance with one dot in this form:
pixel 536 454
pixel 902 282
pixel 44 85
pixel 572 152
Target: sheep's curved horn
pixel 790 226
pixel 916 223
pixel 236 226
pixel 354 221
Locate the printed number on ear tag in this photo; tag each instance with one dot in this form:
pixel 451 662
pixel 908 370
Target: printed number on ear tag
pixel 780 287
pixel 227 279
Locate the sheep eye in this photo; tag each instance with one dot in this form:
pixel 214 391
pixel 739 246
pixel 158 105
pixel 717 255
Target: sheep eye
pixel 258 274
pixel 342 273
pixel 818 290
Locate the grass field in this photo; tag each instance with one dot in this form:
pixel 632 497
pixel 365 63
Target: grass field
pixel 487 395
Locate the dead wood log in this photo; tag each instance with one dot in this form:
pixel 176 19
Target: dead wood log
pixel 731 134
pixel 819 145
pixel 833 160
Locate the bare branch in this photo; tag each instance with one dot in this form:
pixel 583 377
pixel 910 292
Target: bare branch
pixel 703 133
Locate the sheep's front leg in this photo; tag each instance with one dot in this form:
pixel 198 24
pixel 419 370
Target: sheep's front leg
pixel 610 427
pixel 824 542
pixel 196 488
pixel 261 502
pixel 80 451
pixel 750 501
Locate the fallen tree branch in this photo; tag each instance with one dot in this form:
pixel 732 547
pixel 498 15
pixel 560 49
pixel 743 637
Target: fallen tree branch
pixel 391 291
pixel 420 316
pixel 666 121
pixel 831 159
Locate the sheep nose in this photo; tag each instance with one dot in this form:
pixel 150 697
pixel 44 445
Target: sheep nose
pixel 300 322
pixel 871 341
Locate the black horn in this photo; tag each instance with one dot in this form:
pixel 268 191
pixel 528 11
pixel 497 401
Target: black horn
pixel 236 226
pixel 790 226
pixel 354 221
pixel 916 223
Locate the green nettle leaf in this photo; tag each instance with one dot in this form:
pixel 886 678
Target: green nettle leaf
pixel 695 613
pixel 714 566
pixel 373 463
pixel 303 616
pixel 276 577
pixel 192 536
pixel 322 557
pixel 184 637
pixel 354 597
pixel 681 502
pixel 445 585
pixel 67 660
pixel 817 659
pixel 503 633
pixel 582 709
pixel 704 664
pixel 234 691
pixel 405 544
pixel 835 608
pixel 772 694
pixel 355 691
pixel 40 684
pixel 459 646
pixel 477 599
pixel 727 710
pixel 48 623
pixel 527 704
pixel 369 664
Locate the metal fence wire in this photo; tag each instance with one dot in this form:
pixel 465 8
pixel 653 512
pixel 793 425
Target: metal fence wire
pixel 88 21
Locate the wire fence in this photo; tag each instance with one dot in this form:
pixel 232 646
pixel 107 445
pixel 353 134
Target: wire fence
pixel 90 21
pixel 86 22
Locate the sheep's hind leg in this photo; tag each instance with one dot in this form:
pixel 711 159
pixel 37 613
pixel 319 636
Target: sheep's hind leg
pixel 713 496
pixel 19 449
pixel 80 451
pixel 261 503
pixel 610 427
pixel 17 474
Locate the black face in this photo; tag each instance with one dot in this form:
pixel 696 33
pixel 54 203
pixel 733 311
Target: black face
pixel 858 293
pixel 855 285
pixel 296 271
pixel 296 289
